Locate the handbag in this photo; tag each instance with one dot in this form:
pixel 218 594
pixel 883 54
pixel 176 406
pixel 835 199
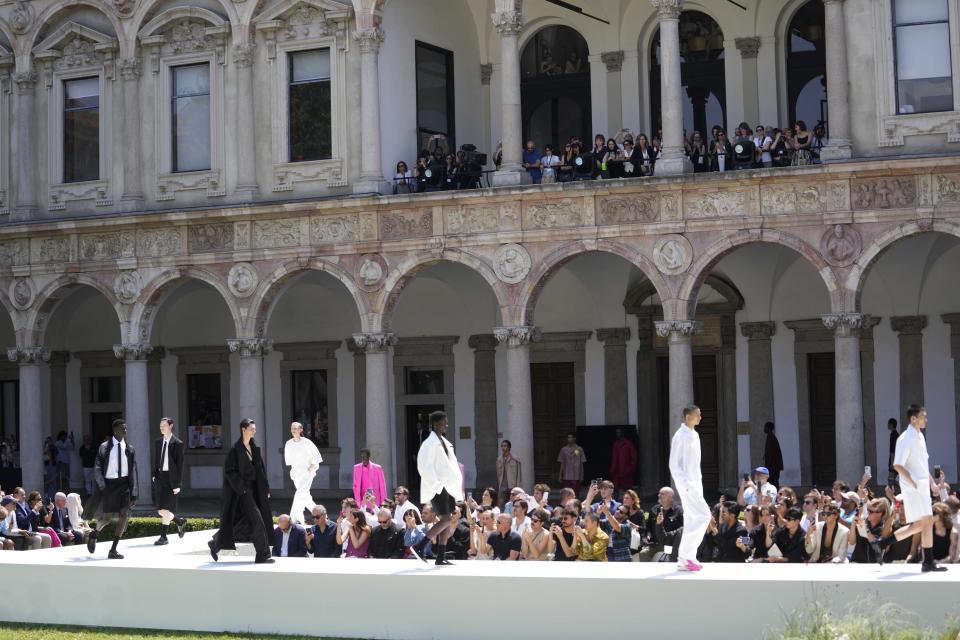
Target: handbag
pixel 636 541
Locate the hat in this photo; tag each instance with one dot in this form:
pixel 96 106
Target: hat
pixel 762 470
pixel 850 495
pixel 7 500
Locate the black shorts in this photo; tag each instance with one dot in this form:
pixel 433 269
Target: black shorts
pixel 443 503
pixel 163 495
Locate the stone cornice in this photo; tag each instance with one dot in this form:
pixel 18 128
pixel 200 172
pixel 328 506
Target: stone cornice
pixel 758 330
pixel 908 325
pixel 614 337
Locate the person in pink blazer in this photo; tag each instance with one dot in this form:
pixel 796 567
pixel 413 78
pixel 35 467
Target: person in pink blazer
pixel 368 475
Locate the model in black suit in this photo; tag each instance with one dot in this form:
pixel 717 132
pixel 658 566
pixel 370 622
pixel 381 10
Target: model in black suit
pixel 166 476
pixel 245 501
pixel 115 490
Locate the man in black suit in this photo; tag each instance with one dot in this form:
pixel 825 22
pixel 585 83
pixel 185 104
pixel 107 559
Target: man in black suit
pixel 289 539
pixel 60 522
pixel 166 477
pixel 386 541
pixel 115 487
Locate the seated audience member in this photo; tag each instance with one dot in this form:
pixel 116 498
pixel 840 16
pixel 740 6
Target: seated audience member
pixel 944 535
pixel 28 516
pixel 321 538
pixel 870 532
pixel 6 542
pixel 725 534
pixel 12 531
pixel 849 507
pixel 357 536
pixel 788 539
pixel 289 539
pixel 667 519
pixel 754 491
pixel 505 543
pixel 75 514
pixel 413 531
pixel 811 510
pixel 827 540
pixel 386 541
pixel 593 541
pixel 458 545
pixel 404 504
pixel 566 537
pixel 605 491
pixel 480 534
pixel 541 497
pixel 520 522
pixel 618 528
pixel 41 516
pixel 536 542
pixel 60 522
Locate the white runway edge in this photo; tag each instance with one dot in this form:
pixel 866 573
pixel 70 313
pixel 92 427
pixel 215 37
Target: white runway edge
pixel 179 587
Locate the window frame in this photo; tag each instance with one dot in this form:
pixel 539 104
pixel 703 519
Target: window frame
pixel 170 106
pixel 451 135
pixel 63 136
pixel 894 26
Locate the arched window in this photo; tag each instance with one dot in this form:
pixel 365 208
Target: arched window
pixel 807 65
pixel 555 87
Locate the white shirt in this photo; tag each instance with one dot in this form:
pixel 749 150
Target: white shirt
pixel 438 470
pixel 760 142
pixel 284 552
pixel 911 454
pixel 766 489
pixel 548 163
pixel 301 454
pixel 111 473
pixel 519 529
pixel 685 459
pixel 165 450
pixel 401 510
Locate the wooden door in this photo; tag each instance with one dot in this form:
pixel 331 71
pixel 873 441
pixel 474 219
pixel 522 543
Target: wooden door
pixel 554 415
pixel 823 426
pixel 705 396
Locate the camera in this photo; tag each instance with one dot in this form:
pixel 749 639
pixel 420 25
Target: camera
pixel 937 472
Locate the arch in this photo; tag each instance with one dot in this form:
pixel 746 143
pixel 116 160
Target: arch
pixel 54 293
pixel 29 41
pixel 704 264
pixel 870 254
pixel 265 298
pixel 400 275
pixel 180 13
pixel 7 32
pixel 637 294
pixel 142 11
pixel 554 261
pixel 156 291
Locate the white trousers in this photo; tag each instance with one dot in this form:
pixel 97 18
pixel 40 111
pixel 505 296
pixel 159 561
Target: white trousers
pixel 302 479
pixel 696 519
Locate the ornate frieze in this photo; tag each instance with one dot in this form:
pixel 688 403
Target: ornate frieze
pixel 891 192
pixel 516 336
pixel 50 249
pixel 203 238
pixel 399 225
pixel 14 252
pixel 334 229
pixel 511 262
pixel 948 188
pixel 168 185
pixel 792 199
pixel 107 246
pixel 281 233
pixel 554 214
pixel 673 254
pixel 157 243
pixel 721 203
pixel 481 218
pixel 629 209
pixel 841 245
pixel 61 194
pixel 287 175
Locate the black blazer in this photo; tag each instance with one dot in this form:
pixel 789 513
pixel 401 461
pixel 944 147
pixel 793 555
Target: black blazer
pixel 174 457
pixel 103 459
pixel 296 545
pixel 60 522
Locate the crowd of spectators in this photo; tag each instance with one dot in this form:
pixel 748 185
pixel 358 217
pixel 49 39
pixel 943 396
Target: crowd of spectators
pixel 29 521
pixel 625 155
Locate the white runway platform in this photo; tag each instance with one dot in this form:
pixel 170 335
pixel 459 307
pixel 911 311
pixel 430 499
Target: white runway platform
pixel 180 587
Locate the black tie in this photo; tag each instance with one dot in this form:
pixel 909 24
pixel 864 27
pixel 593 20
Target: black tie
pixel 119 462
pixel 163 454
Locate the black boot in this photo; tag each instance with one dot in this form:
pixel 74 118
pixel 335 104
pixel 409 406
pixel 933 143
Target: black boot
pixel 181 523
pixel 114 554
pixel 442 556
pixel 929 563
pixel 418 549
pixel 213 549
pixel 92 541
pixel 164 528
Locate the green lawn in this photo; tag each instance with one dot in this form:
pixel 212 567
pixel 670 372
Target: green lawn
pixel 50 632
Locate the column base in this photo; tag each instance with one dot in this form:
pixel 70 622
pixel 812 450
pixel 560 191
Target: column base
pixel 376 185
pixel 837 150
pixel 673 166
pixel 511 178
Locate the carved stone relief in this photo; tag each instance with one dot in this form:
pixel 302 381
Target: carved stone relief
pixel 397 225
pixel 56 249
pixel 242 279
pixel 169 185
pixel 628 209
pixel 948 188
pixel 839 196
pixel 481 218
pixel 241 235
pixel 721 204
pixel 673 254
pixel 371 271
pixel 124 8
pixel 127 286
pixel 841 245
pixel 21 293
pixel 157 243
pixel 334 229
pixel 13 252
pixel 885 193
pixel 368 226
pixel 107 246
pixel 21 18
pixel 286 176
pixel 202 238
pixel 511 262
pixel 791 199
pixel 552 215
pixel 276 233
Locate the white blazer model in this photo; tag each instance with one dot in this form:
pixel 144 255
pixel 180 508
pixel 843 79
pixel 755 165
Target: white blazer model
pixel 438 470
pixel 840 541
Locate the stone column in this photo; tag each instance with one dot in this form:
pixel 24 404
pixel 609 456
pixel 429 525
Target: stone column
pixel 519 427
pixel 647 400
pixel 136 408
pixel 376 346
pixel 953 319
pixel 58 394
pixel 760 381
pixel 838 90
pixel 485 407
pixel 132 198
pixel 247 187
pixel 359 396
pixel 673 160
pixel 613 61
pixel 729 446
pixel 26 203
pixel 749 49
pixel 615 402
pixel 508 20
pixel 848 391
pixel 910 331
pixel 30 359
pixel 251 352
pixel 371 172
pixel 680 333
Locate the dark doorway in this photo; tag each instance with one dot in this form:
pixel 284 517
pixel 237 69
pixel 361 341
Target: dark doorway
pixel 418 428
pixel 823 425
pixel 705 396
pixel 101 424
pixel 807 65
pixel 554 415
pixel 555 88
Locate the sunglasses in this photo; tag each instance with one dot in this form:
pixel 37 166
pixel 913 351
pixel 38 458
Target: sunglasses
pixel 317 517
pixel 809 502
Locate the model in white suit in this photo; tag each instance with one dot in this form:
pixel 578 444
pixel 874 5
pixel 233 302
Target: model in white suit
pixel 303 458
pixel 441 484
pixel 685 469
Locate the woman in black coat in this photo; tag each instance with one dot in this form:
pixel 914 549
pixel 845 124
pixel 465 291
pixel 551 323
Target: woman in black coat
pixel 244 504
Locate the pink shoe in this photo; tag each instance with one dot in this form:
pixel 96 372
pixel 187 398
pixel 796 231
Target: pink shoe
pixel 689 565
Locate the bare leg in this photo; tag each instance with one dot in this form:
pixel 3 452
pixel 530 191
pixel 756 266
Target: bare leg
pixel 905 532
pixel 443 529
pixel 926 533
pixel 165 517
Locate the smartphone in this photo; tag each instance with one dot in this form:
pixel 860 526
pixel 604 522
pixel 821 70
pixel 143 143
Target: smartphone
pixel 744 540
pixel 746 477
pixel 937 471
pixel 867 471
pixel 469 495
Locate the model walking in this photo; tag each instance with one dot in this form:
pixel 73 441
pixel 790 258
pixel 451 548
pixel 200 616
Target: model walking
pixel 303 458
pixel 166 477
pixel 685 469
pixel 441 484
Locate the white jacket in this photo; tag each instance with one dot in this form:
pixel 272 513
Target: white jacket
pixel 685 459
pixel 438 471
pixel 840 542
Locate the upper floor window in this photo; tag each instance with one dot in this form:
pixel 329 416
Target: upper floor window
pixel 309 104
pixel 922 49
pixel 435 107
pixel 190 118
pixel 81 129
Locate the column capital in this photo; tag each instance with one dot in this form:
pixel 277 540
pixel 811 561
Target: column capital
pixel 486 72
pixel 483 342
pixel 844 324
pixel 758 330
pixel 508 23
pixel 614 337
pixel 668 9
pixel 26 81
pixel 374 342
pixel 748 47
pixel 908 325
pixel 613 60
pixel 249 347
pixel 679 327
pixel 369 39
pixel 243 54
pixel 132 352
pixel 516 336
pixel 28 355
pixel 130 68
